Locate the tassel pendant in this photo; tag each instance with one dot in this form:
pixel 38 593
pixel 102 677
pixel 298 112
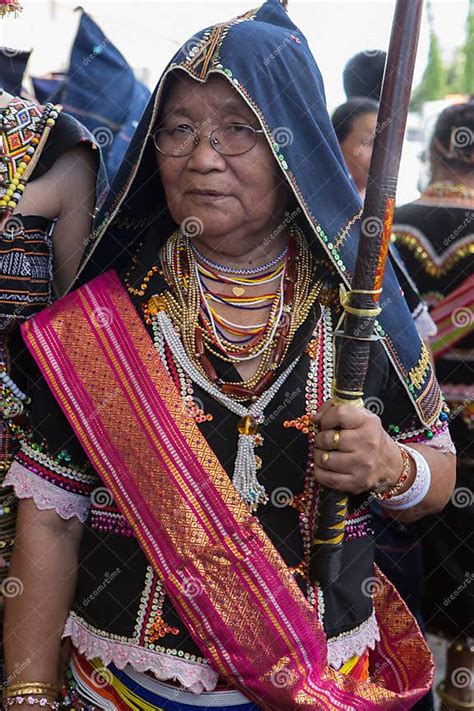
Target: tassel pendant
pixel 245 474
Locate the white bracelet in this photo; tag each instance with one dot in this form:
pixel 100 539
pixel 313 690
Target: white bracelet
pixel 418 490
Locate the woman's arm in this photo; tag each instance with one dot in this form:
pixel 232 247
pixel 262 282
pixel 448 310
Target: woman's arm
pixel 74 176
pixel 44 571
pixel 443 478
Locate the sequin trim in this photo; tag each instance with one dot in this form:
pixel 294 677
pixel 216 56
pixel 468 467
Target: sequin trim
pixel 110 521
pixel 58 470
pixel 197 676
pixel 434 265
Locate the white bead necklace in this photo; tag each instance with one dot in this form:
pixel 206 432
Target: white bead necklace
pixel 245 468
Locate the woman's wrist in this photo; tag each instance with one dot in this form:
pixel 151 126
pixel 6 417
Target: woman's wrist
pixel 403 476
pixel 413 494
pixel 31 693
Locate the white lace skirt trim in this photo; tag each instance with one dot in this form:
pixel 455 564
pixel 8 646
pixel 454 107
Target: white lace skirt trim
pixel 194 676
pixel 353 642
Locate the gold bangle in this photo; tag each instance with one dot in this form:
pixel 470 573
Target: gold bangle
pixel 23 684
pixel 372 292
pixel 386 491
pixel 32 687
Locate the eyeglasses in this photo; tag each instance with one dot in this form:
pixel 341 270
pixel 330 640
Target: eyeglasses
pixel 235 139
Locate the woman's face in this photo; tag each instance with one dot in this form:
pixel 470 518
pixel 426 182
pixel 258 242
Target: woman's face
pixel 251 190
pixel 357 148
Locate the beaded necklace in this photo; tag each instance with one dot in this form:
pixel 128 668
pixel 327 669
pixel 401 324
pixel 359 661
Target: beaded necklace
pixel 264 333
pixel 447 189
pixel 224 269
pixel 183 303
pixel 212 316
pixel 240 280
pixel 246 464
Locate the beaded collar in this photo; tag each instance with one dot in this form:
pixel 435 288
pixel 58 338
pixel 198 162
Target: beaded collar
pixel 447 194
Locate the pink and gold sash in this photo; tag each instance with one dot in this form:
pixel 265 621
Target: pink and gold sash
pixel 229 584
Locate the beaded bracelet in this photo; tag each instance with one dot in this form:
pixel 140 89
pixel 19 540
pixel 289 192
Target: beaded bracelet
pixel 418 490
pixel 31 701
pixel 385 491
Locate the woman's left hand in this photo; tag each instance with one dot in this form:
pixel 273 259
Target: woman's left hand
pixel 361 457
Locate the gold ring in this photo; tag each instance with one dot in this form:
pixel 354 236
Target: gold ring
pixel 325 458
pixel 335 439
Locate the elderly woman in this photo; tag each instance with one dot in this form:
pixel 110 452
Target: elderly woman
pixel 170 479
